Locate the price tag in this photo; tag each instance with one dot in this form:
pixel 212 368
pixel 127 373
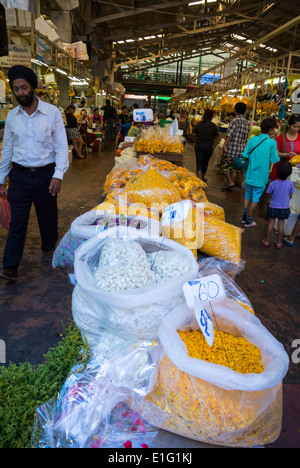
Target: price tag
pixel 209 289
pixel 205 322
pixel 175 213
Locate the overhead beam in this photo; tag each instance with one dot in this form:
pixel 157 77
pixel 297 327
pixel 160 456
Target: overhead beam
pixel 191 32
pixel 263 39
pixel 137 11
pixel 189 19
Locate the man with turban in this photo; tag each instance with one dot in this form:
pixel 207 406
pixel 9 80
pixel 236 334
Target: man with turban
pixel 34 158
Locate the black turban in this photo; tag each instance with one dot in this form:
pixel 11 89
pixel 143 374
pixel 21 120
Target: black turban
pixel 19 71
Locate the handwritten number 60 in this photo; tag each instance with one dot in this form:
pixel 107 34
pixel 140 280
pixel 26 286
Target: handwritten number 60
pixel 210 291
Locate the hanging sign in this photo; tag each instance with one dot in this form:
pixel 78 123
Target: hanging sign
pixel 49 78
pixel 200 294
pixel 173 128
pixel 207 289
pixel 17 55
pixel 143 115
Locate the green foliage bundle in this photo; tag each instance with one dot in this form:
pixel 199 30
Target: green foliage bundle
pixel 23 388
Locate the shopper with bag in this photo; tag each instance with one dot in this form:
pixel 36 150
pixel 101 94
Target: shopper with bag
pixel 35 158
pixel 261 152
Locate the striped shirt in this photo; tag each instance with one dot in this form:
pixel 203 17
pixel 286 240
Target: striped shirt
pixel 238 132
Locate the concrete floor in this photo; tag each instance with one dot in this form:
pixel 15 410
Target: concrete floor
pixel 32 310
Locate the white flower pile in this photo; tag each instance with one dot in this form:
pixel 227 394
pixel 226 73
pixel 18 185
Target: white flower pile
pixel 168 264
pixel 125 265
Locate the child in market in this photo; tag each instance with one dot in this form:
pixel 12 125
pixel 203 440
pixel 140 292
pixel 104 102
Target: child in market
pixel 280 192
pixel 261 152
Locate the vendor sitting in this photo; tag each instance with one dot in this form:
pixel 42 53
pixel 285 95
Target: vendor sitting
pixel 135 129
pixel 85 123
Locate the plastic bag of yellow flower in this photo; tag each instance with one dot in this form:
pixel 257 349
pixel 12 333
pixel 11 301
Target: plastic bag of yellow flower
pixel 183 223
pixel 119 205
pixel 295 160
pixel 211 209
pixel 221 239
pixel 152 188
pixel 119 177
pixel 198 395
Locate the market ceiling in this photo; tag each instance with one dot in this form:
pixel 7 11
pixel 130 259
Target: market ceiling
pixel 143 34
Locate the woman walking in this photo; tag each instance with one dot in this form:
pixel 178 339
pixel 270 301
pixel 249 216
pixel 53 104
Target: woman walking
pixel 206 132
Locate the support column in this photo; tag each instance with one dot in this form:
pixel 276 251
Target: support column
pixel 63 22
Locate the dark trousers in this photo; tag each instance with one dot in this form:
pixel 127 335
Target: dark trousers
pixel 27 187
pixel 203 151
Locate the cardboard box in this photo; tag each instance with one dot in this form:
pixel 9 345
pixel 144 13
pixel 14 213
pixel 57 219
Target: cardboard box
pixel 44 28
pixel 22 18
pixel 77 50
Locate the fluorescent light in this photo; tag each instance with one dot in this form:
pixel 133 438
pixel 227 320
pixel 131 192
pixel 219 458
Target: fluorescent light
pixel 201 2
pixel 61 71
pixel 38 62
pixel 241 38
pixel 129 40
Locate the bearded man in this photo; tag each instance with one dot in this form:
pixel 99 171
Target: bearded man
pixel 34 158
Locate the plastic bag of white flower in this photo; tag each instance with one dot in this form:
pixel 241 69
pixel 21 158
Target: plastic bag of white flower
pixel 107 223
pixel 126 287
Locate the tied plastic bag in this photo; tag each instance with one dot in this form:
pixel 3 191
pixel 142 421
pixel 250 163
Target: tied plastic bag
pixel 222 240
pixel 5 213
pixel 235 296
pixel 102 223
pixel 126 287
pixel 64 253
pixel 152 188
pixel 183 223
pixel 99 222
pixel 90 410
pixel 210 402
pixel 211 209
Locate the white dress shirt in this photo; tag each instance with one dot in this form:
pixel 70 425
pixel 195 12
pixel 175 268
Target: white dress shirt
pixel 34 140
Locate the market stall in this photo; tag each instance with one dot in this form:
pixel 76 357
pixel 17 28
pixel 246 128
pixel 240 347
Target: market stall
pixel 135 281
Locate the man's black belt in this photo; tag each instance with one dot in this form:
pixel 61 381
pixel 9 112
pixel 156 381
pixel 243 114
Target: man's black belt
pixel 31 169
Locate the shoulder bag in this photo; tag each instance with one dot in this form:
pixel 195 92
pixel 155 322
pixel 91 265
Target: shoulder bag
pixel 241 163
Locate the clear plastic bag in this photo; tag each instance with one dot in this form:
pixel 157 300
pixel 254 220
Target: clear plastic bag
pixel 87 259
pixel 152 187
pixel 227 271
pixel 212 403
pixel 90 411
pixel 108 223
pixel 183 223
pixel 222 240
pixel 64 253
pixel 129 314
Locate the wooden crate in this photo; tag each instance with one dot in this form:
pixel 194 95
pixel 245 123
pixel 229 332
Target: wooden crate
pixel 175 158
